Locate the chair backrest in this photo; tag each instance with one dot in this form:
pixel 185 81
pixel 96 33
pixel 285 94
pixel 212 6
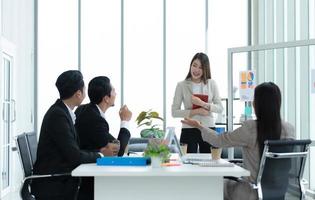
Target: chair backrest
pixel 32 144
pixel 281 167
pixel 237 153
pixel 26 146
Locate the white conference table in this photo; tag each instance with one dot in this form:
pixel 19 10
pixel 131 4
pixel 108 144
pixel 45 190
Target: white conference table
pixel 184 182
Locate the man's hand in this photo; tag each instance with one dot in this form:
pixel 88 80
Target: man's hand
pixel 191 122
pixel 125 114
pixel 111 149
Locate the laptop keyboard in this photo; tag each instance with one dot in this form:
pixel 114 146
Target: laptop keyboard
pixel 215 163
pixel 195 160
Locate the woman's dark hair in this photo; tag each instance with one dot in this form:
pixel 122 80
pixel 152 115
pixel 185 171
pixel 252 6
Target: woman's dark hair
pixel 204 60
pixel 267 103
pixel 99 87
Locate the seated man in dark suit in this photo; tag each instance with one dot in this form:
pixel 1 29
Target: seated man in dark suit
pixel 93 128
pixel 58 148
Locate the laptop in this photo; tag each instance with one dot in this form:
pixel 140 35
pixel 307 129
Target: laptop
pixel 200 159
pixel 190 158
pixel 173 142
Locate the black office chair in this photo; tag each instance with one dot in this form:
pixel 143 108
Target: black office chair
pixel 281 170
pixel 27 146
pixel 32 145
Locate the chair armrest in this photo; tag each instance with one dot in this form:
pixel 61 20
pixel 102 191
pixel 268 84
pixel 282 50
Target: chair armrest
pixel 25 191
pixel 45 176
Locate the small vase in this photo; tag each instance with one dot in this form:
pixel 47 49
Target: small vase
pixel 156 162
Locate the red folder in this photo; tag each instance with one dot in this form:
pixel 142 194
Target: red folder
pixel 203 97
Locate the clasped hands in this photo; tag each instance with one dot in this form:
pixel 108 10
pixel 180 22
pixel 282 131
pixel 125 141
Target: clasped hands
pixel 111 149
pixel 205 107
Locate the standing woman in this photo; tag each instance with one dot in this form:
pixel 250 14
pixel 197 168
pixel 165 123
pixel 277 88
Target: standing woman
pixel 197 82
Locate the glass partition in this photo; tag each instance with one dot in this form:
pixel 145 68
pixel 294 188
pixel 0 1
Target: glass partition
pixel 312 116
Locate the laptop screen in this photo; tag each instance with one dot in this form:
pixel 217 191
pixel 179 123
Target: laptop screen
pixel 172 141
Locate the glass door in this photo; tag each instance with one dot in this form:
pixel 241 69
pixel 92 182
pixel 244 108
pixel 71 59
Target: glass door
pixel 8 116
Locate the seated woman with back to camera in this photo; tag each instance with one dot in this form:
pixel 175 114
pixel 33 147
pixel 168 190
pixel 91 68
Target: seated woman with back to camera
pixel 250 137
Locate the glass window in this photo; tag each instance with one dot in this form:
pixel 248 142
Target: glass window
pixel 57 48
pixel 228 26
pixel 187 19
pixel 100 49
pixel 185 36
pixel 143 56
pixel 312 18
pixel 312 96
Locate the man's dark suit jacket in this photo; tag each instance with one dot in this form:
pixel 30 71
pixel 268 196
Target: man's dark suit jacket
pixel 93 131
pixel 58 152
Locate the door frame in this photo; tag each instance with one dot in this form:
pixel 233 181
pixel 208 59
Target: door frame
pixel 8 50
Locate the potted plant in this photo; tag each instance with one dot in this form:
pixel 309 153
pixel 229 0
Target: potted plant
pixel 158 151
pixel 145 118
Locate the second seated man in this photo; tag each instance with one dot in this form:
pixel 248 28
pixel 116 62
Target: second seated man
pixel 93 129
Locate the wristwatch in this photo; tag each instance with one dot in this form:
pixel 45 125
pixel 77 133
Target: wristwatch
pixel 207 106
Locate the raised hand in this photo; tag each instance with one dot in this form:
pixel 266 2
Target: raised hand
pixel 125 114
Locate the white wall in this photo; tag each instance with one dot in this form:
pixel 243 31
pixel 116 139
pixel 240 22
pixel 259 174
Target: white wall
pixel 18 29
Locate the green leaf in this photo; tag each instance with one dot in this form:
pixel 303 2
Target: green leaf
pixel 141 117
pixel 145 118
pixel 154 114
pixel 145 123
pixel 155 147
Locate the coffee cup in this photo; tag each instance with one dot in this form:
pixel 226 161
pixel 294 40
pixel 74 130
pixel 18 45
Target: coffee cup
pixel 216 153
pixel 183 147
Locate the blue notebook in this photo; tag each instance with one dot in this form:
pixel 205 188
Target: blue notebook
pixel 123 161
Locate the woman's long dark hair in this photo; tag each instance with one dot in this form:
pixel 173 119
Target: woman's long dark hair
pixel 205 63
pixel 267 103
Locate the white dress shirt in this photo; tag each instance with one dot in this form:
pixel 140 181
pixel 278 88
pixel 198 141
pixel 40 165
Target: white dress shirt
pixel 123 124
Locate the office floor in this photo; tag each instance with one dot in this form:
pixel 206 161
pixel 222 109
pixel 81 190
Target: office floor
pixel 15 196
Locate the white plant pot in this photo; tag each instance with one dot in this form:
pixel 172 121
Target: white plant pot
pixel 156 162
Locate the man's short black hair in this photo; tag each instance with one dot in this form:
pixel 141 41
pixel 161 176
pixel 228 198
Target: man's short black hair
pixel 69 82
pixel 99 87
